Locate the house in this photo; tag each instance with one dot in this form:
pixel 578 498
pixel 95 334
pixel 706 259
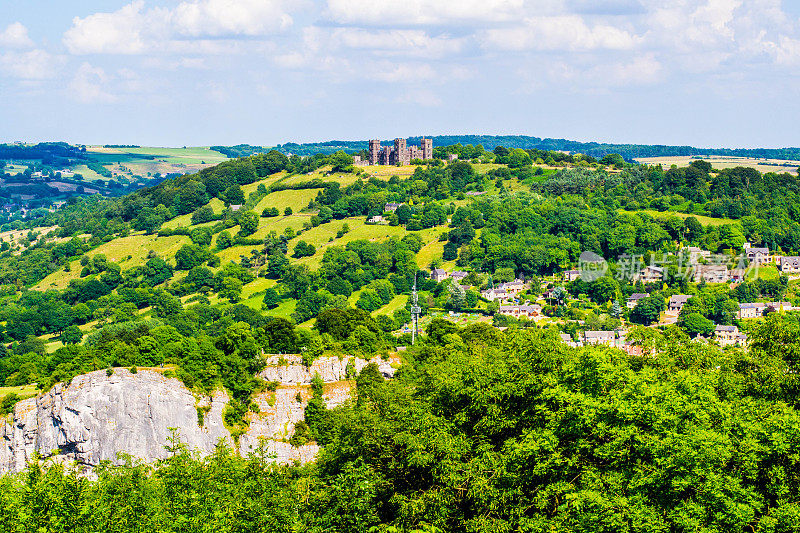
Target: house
pixel 496 294
pixel 727 335
pixel 634 298
pixel 529 311
pixel 676 303
pixel 391 207
pixel 377 219
pixel 758 255
pixel 459 275
pixel 439 274
pixel 751 310
pixel 607 338
pixel 694 254
pixel 651 274
pixel 567 339
pixel 790 264
pixel 475 193
pixel 571 275
pixel 513 287
pixel 235 207
pixel 711 273
pixel 757 309
pixel 737 275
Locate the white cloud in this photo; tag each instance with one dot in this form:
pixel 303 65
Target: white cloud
pixel 134 29
pixel 30 65
pixel 558 33
pixel 423 12
pixel 15 36
pixel 89 86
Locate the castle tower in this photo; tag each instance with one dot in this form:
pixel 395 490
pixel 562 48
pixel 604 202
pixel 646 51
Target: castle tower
pixel 427 148
pixel 400 154
pixel 374 150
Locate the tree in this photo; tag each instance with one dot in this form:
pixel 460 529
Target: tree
pixel 248 223
pixel 271 299
pixel 234 195
pixel 224 240
pixel 288 211
pixel 203 214
pixel 403 214
pixel 71 335
pixel 340 161
pixel 231 289
pixel 190 256
pixel 697 324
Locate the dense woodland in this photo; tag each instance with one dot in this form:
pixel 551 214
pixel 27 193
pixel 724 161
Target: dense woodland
pixel 480 430
pixel 489 431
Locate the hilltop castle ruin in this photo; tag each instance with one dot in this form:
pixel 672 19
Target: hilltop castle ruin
pixel 399 154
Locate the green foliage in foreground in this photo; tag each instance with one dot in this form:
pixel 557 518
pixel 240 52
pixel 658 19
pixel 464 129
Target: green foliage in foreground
pixel 492 432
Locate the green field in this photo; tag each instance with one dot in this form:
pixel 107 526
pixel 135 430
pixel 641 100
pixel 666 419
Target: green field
pixel 706 221
pixel 23 391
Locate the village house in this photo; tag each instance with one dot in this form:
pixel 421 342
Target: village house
pixel 650 274
pixel 695 254
pixel 790 264
pixel 571 275
pixel 566 338
pixel 529 311
pixel 757 309
pixel 757 255
pixel 495 294
pixel 391 207
pixel 377 219
pixel 729 336
pixel 711 273
pixel 439 275
pixel 634 298
pixel 235 207
pixel 607 338
pixel 737 275
pixel 459 275
pixel 513 287
pixel 677 302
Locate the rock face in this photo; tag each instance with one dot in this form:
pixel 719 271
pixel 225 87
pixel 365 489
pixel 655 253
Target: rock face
pixel 289 369
pixel 97 416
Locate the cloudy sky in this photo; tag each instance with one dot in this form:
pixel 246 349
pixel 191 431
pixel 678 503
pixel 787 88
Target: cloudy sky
pixel 194 72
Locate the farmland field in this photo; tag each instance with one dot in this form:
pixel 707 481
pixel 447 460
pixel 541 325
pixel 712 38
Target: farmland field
pixel 719 162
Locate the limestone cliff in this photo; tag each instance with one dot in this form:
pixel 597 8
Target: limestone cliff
pixel 97 416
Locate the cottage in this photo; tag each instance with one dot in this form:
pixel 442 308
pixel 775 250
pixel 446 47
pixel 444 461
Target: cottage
pixel 651 274
pixel 757 309
pixel 391 207
pixel 496 294
pixel 567 339
pixel 758 255
pixel 694 254
pixel 737 275
pixel 790 264
pixel 513 287
pixel 529 311
pixel 439 274
pixel 634 298
pixel 711 273
pixel 377 219
pixel 751 310
pixel 677 302
pixel 607 338
pixel 726 335
pixel 235 207
pixel 571 275
pixel 459 275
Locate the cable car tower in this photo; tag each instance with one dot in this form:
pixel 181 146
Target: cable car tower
pixel 415 311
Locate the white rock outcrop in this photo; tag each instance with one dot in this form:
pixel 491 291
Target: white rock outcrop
pixel 96 417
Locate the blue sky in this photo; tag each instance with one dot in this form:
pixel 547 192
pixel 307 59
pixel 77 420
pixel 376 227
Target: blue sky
pixel 199 72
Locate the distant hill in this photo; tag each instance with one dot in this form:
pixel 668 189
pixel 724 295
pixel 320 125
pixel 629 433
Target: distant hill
pixel 629 151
